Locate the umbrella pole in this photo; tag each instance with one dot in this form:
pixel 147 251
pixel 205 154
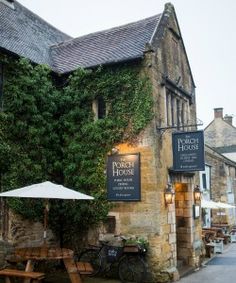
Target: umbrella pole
pixel 46 210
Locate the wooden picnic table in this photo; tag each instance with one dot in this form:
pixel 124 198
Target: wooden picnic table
pixel 224 226
pixel 220 232
pixel 33 254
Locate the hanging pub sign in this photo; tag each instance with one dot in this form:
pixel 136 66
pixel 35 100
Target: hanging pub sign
pixel 123 177
pixel 188 151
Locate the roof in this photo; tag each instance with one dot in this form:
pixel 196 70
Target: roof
pixel 27 35
pixel 110 46
pixel 227 160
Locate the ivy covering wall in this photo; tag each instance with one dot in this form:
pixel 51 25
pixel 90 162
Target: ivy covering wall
pixel 48 132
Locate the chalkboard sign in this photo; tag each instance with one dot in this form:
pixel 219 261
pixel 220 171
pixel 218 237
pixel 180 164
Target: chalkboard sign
pixel 188 151
pixel 123 177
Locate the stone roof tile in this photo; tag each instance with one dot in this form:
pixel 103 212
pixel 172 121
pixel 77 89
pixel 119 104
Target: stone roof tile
pixel 118 44
pixel 27 35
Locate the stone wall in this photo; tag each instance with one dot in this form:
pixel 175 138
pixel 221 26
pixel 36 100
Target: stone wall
pixel 222 172
pixel 23 233
pixel 219 133
pixel 6 248
pixel 151 218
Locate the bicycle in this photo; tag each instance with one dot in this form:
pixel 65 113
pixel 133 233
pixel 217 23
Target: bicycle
pixel 130 260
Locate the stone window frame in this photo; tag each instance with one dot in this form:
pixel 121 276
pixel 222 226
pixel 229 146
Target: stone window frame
pixel 177 109
pixel 100 108
pixel 230 183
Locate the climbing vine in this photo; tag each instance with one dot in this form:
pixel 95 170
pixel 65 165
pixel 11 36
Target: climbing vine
pixel 49 133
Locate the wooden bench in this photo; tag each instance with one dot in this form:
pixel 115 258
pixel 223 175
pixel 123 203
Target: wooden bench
pixel 34 276
pixel 84 268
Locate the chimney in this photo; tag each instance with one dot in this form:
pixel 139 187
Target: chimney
pixel 228 119
pixel 218 113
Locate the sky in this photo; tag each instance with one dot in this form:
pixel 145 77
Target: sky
pixel 207 27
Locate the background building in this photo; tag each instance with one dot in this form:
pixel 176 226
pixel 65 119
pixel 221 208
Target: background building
pixel 220 134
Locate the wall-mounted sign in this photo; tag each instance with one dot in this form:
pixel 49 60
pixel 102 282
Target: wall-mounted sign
pixel 123 177
pixel 188 151
pixel 196 211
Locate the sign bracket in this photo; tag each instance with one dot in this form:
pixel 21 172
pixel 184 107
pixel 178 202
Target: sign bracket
pixel 162 130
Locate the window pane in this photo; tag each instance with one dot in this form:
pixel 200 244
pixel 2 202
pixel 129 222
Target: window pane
pixel 204 183
pixel 101 108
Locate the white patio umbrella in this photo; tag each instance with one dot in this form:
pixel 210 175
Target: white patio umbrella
pixel 46 190
pixel 224 205
pixel 209 204
pixel 215 205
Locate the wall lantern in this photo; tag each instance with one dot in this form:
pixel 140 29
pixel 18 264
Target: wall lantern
pixel 169 194
pixel 114 150
pixel 197 193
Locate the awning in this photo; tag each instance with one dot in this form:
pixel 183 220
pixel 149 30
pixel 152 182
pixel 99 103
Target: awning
pixel 215 205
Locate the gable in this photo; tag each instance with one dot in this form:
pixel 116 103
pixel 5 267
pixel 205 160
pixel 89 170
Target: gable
pixel 168 43
pixel 221 134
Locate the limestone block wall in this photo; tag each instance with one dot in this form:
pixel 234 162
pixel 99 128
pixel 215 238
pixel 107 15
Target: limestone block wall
pixel 188 229
pixel 23 233
pixel 150 218
pixel 220 134
pixel 6 248
pixel 221 174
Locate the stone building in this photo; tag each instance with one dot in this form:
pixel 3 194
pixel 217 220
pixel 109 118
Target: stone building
pixel 156 44
pixel 217 183
pixel 220 134
pixel 220 139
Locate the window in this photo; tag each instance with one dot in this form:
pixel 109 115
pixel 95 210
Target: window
pixel 167 109
pixel 99 108
pixel 222 171
pixel 176 107
pixel 178 113
pixel 204 182
pixel 182 113
pixel 172 111
pixel 110 224
pixel 229 185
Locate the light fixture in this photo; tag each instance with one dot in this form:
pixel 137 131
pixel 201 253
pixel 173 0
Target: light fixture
pixel 169 194
pixel 197 193
pixel 114 150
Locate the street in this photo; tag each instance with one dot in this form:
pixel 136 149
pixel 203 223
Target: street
pixel 221 269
